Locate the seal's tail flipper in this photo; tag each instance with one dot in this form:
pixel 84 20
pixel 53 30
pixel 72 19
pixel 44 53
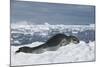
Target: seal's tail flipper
pixel 18 51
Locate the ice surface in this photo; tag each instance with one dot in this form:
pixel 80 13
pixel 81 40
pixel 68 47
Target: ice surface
pixel 69 53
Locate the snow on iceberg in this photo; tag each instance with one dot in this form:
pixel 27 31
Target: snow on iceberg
pixel 69 53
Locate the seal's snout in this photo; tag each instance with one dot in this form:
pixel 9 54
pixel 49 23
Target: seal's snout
pixel 76 41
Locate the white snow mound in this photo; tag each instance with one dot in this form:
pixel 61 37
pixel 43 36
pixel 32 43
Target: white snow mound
pixel 69 53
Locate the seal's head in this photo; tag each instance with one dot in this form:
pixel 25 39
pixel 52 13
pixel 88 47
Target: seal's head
pixel 74 39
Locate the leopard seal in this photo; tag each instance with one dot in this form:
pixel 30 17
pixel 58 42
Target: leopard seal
pixel 52 44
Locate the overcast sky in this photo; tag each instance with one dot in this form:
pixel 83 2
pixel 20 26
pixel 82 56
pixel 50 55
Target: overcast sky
pixel 39 13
